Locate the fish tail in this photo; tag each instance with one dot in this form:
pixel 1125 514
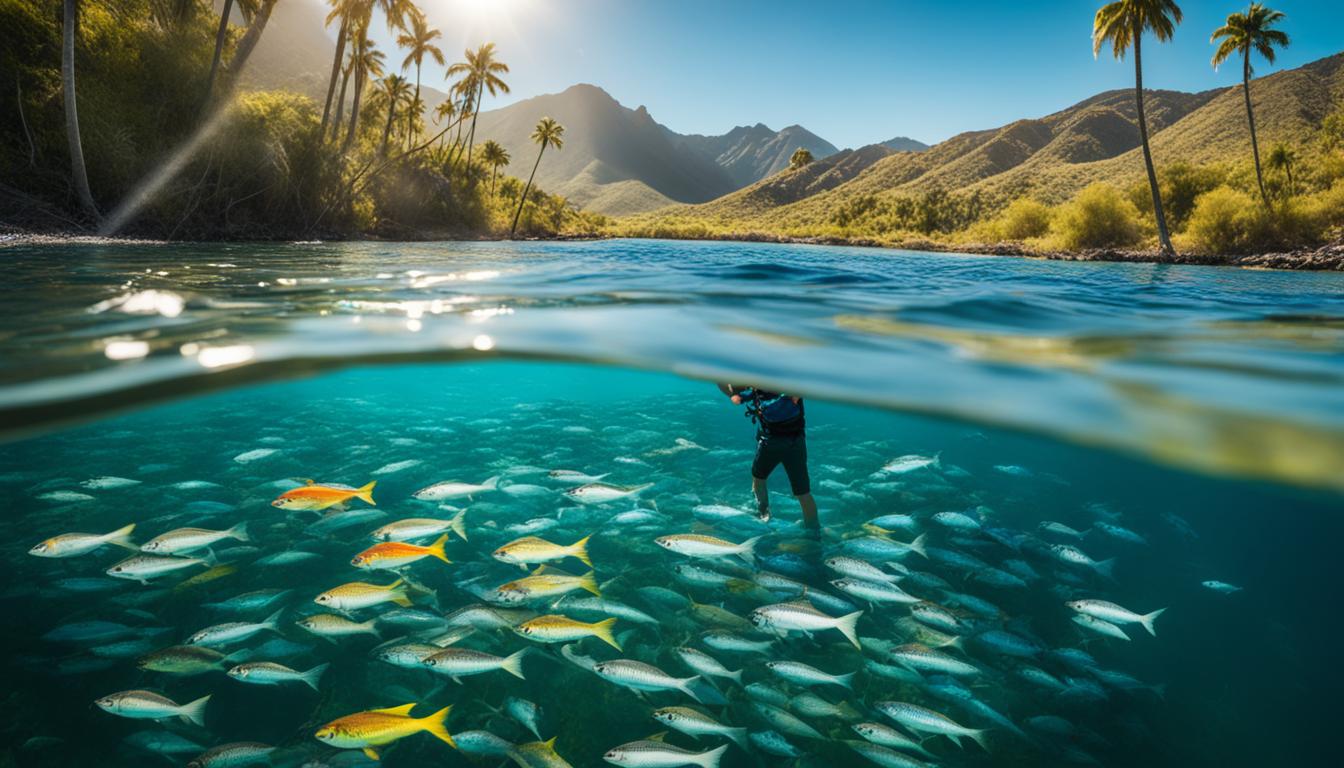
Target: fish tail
pixel 491 482
pixel 979 737
pixel 194 712
pixel 313 675
pixel 459 524
pixel 272 622
pixel 437 726
pixel 209 558
pixel 589 582
pixel 711 758
pixel 372 626
pixel 514 664
pixel 1106 568
pixel 736 677
pixel 1148 619
pixel 747 548
pixel 739 737
pixel 122 537
pixel 579 549
pixel 239 532
pixel 365 493
pixel 685 687
pixel 400 598
pixel 436 549
pixel 846 624
pixel 918 545
pixel 847 680
pixel 602 630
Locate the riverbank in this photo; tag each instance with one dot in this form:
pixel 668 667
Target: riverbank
pixel 1328 258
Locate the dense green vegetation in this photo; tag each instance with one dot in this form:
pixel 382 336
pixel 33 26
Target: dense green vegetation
pixel 173 147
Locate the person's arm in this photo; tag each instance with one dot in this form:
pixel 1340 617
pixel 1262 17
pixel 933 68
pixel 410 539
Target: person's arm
pixel 731 392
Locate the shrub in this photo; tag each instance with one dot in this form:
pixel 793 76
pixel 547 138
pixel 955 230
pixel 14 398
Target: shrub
pixel 1099 217
pixel 1023 220
pixel 1225 221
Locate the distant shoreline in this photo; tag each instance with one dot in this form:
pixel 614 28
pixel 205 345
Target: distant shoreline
pixel 1328 258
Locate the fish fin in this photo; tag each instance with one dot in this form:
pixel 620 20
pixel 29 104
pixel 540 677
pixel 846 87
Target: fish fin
pixel 194 712
pixel 746 548
pixel 956 739
pixel 459 524
pixel 589 582
pixel 514 664
pixel 365 494
pixel 313 675
pixel 436 549
pixel 404 709
pixel 1106 568
pixel 847 680
pixel 660 736
pixel 846 625
pixel 738 735
pixel 736 677
pixel 395 584
pixel 979 737
pixel 918 546
pixel 370 753
pixel 239 532
pixel 437 725
pixel 491 482
pixel 685 687
pixel 1148 619
pixel 603 631
pixel 580 550
pixel 122 537
pixel 272 622
pixel 209 558
pixel 711 758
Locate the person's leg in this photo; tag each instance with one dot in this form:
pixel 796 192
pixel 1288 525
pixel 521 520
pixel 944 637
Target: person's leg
pixel 795 464
pixel 767 458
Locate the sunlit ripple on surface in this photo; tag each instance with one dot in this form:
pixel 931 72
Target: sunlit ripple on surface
pixel 1222 370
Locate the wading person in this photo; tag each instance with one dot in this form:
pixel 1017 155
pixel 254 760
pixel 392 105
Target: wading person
pixel 780 439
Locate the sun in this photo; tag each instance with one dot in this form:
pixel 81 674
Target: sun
pixel 485 10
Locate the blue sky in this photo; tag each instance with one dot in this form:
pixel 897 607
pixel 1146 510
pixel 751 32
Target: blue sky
pixel 852 71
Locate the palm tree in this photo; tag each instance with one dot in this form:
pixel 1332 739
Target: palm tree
pixel 415 112
pixel 347 11
pixel 368 63
pixel 394 14
pixel 1122 24
pixel 419 42
pixel 1243 33
pixel 799 158
pixel 1281 158
pixel 248 9
pixel 70 22
pixel 444 113
pixel 480 72
pixel 395 91
pixel 496 157
pixel 547 133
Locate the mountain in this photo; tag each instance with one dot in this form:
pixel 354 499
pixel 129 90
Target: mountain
pixel 1050 158
pixel 750 153
pixel 904 144
pixel 618 160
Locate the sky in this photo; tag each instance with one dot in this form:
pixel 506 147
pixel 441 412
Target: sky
pixel 852 71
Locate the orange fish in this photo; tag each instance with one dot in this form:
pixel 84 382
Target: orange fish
pixel 318 497
pixel 389 555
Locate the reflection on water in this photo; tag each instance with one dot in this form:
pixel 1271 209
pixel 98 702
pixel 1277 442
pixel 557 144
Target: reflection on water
pixel 997 531
pixel 1229 371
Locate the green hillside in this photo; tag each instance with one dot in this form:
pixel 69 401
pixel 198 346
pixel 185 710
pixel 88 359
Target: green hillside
pixel 977 174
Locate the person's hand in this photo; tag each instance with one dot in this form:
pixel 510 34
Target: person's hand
pixel 737 399
pixel 796 399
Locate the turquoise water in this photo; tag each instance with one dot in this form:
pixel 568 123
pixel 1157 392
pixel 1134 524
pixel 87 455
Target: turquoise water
pixel 1198 409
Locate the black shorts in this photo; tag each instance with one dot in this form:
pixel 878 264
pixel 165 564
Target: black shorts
pixel 789 450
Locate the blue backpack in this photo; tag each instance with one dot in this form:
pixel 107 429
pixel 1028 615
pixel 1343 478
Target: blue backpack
pixel 773 410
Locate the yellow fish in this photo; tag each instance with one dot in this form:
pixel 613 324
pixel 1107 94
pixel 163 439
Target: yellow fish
pixel 379 727
pixel 545 582
pixel 562 629
pixel 360 594
pixel 532 549
pixel 313 497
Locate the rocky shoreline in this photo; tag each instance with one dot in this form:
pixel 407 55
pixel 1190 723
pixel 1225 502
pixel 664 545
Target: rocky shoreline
pixel 1327 258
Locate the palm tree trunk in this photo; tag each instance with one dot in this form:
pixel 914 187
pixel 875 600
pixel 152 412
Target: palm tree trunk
pixel 77 170
pixel 250 39
pixel 340 103
pixel 1250 117
pixel 523 200
pixel 335 72
pixel 221 36
pixel 360 77
pixel 387 129
pixel 471 140
pixel 1291 187
pixel 1162 234
pixel 410 113
pixel 494 171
